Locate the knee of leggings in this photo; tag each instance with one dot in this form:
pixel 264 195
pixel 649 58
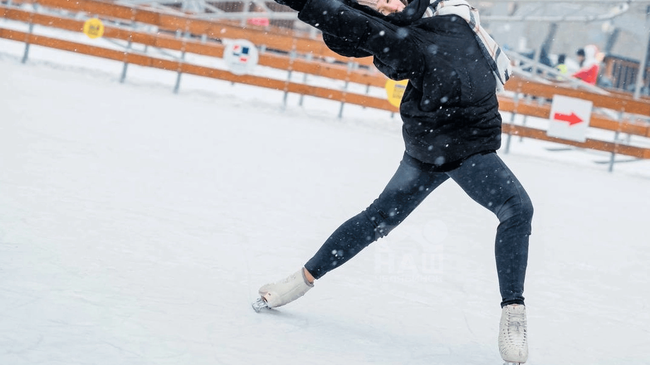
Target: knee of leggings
pixel 383 222
pixel 518 207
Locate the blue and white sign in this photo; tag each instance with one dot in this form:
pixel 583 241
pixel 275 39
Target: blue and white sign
pixel 241 56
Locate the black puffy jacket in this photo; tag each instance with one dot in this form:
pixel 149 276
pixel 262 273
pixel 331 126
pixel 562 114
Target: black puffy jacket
pixel 449 108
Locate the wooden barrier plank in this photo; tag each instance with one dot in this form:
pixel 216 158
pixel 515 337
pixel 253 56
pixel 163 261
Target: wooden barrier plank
pixel 155 40
pixel 538 89
pixel 597 121
pixel 169 42
pixel 213 29
pixel 148 61
pixel 213 49
pixel 316 47
pixel 258 37
pixel 540 134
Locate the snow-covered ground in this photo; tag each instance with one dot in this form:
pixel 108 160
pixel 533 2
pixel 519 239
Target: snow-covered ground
pixel 136 226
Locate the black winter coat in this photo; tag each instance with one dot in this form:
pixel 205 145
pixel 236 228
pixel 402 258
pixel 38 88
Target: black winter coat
pixel 449 109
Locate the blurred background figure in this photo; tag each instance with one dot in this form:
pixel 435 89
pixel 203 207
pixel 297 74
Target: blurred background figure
pixel 589 65
pixel 561 66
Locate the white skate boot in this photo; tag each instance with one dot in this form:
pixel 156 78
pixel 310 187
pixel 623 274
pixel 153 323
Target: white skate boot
pixel 286 291
pixel 513 343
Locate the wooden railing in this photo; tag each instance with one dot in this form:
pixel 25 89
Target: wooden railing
pixel 305 55
pixel 628 110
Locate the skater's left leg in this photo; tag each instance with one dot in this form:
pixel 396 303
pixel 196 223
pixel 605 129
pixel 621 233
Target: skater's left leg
pixel 487 180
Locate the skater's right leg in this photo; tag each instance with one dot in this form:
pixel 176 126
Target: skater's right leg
pixel 412 183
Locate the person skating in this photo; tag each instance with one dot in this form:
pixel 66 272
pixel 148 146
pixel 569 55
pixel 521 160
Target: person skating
pixel 451 130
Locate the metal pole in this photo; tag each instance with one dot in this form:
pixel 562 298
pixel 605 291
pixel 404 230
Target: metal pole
pixel 345 88
pixel 612 158
pixel 179 73
pixel 512 122
pixel 292 57
pixel 302 96
pixel 31 29
pixel 644 57
pixel 246 10
pixel 543 48
pixel 509 138
pixel 304 79
pixel 128 48
pixel 126 64
pixel 286 92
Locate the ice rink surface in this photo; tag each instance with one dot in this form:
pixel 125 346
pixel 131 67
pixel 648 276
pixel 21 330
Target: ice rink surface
pixel 137 224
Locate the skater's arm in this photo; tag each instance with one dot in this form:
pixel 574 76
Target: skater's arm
pixel 365 33
pixel 344 47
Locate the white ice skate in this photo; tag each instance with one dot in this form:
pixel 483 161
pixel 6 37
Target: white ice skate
pixel 513 343
pixel 286 291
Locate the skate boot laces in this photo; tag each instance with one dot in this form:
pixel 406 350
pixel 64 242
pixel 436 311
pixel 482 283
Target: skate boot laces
pixel 513 341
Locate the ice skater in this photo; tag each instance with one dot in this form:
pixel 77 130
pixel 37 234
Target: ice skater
pixel 451 130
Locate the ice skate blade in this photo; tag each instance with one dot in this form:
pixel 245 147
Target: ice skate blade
pixel 259 304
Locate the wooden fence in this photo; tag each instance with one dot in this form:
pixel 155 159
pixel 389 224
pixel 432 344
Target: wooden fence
pixel 297 53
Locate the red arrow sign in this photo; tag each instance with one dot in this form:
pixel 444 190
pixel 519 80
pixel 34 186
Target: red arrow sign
pixel 571 118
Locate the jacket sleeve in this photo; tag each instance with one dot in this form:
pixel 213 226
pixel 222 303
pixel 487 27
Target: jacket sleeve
pixel 344 47
pixel 296 5
pixel 366 34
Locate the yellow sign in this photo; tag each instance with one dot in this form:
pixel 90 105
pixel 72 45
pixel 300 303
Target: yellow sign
pixel 395 91
pixel 94 28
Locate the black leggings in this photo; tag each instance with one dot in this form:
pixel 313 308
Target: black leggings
pixel 484 177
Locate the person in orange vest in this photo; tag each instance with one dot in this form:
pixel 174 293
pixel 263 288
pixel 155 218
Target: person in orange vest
pixel 589 65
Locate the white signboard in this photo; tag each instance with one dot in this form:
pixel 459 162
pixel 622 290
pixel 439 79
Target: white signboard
pixel 569 118
pixel 241 56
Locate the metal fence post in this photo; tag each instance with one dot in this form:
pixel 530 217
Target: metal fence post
pixel 128 48
pixel 612 158
pixel 180 63
pixel 345 87
pixel 126 63
pixel 613 155
pixel 304 79
pixel 179 73
pixel 513 115
pixel 31 30
pixel 292 57
pixel 26 54
pixel 529 98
